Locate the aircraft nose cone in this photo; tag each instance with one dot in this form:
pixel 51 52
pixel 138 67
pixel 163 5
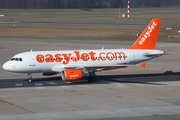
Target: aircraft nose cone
pixel 6 66
pixel 12 67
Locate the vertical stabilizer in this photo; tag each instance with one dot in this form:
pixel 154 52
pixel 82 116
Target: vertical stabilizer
pixel 148 38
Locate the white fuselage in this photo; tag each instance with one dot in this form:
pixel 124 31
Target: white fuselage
pixel 55 61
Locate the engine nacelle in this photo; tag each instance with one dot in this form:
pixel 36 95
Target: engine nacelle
pixel 49 74
pixel 71 74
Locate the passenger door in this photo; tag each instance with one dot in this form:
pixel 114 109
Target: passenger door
pixel 32 60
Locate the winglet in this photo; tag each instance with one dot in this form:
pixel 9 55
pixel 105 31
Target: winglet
pixel 143 65
pixel 148 38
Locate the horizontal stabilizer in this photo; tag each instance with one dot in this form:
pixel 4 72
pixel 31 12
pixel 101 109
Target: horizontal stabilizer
pixel 143 65
pixel 154 54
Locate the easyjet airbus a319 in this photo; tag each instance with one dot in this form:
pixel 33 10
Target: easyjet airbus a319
pixel 74 64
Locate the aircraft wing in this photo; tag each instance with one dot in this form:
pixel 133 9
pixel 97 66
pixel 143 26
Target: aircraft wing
pixel 60 67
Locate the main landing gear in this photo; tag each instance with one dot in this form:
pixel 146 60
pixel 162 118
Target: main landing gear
pixel 29 77
pixel 91 79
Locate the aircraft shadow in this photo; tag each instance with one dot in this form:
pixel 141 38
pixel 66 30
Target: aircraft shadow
pixel 131 78
pixel 143 78
pixel 149 79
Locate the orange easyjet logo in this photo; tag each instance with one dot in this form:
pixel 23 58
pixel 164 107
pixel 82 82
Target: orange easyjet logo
pixel 76 56
pixel 148 33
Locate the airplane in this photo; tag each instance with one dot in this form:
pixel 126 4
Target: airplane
pixel 74 64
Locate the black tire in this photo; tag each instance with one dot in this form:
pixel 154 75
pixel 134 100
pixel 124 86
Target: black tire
pixel 29 81
pixel 91 79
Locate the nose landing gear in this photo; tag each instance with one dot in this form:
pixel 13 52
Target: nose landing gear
pixel 29 77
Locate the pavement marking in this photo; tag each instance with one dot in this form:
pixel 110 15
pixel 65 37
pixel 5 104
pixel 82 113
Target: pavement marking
pixel 52 83
pixel 38 84
pixel 18 84
pixel 68 82
pixel 104 81
pixel 120 80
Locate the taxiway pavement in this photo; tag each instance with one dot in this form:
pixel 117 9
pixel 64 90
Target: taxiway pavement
pixel 85 23
pixel 86 13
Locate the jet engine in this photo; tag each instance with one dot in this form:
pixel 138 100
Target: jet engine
pixel 71 74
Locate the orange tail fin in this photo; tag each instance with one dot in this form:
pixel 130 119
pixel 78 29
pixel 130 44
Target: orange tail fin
pixel 148 38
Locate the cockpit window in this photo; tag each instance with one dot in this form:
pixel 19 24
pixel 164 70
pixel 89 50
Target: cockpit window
pixel 12 59
pixel 16 59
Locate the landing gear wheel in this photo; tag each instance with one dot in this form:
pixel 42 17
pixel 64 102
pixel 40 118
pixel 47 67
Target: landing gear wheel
pixel 91 79
pixel 29 81
pixel 29 78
